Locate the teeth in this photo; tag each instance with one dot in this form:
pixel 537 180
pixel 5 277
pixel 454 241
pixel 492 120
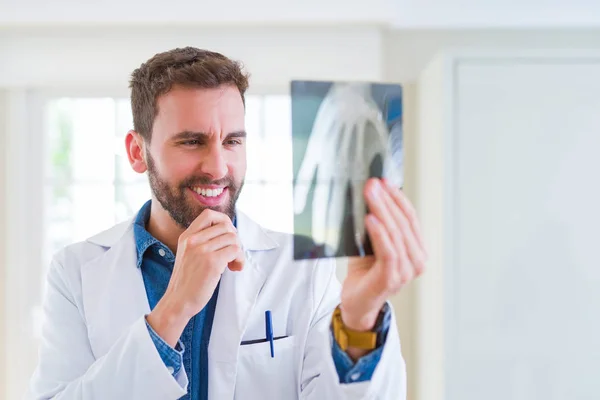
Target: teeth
pixel 208 192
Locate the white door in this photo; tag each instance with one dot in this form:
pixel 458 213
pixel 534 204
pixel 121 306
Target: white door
pixel 525 298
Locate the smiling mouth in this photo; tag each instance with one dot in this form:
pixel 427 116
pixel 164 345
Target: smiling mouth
pixel 208 192
pixel 210 196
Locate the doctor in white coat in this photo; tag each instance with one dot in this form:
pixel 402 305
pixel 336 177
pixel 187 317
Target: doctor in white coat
pixel 110 331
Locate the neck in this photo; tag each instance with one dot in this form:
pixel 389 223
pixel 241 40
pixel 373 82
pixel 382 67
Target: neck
pixel 162 227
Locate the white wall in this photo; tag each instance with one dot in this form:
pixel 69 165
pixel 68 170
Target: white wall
pixel 22 238
pixel 455 14
pixel 407 52
pixel 460 14
pixel 3 272
pixel 525 231
pixel 506 304
pixel 105 57
pixel 100 57
pixel 177 12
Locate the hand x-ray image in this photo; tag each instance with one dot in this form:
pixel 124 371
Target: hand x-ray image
pixel 343 133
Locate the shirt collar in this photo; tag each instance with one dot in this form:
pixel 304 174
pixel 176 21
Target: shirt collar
pixel 143 238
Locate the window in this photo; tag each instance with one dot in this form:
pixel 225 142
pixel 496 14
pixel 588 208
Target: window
pixel 90 186
pixel 73 148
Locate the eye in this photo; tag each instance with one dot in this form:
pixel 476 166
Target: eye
pixel 191 143
pixel 233 142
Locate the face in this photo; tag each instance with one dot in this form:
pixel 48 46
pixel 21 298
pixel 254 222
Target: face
pixel 196 158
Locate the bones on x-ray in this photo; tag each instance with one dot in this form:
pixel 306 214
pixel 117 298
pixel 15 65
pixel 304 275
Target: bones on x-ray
pixel 348 134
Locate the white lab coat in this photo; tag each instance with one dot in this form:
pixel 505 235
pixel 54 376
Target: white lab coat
pixel 96 345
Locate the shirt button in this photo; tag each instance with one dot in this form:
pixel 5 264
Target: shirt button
pixel 170 369
pixel 162 252
pixel 355 376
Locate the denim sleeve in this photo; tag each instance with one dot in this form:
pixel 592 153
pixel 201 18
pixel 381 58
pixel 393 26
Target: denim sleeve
pixel 172 357
pixel 363 369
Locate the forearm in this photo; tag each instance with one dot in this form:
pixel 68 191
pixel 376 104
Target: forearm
pixel 168 319
pixel 320 378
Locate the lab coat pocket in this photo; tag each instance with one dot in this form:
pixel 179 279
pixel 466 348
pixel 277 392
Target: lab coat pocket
pixel 258 372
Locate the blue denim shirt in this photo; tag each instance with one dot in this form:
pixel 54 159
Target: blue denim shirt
pixel 156 262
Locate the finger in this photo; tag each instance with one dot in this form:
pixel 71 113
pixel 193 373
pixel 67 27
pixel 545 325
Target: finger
pixel 211 232
pixel 410 212
pixel 367 149
pixel 336 168
pixel 388 253
pixel 413 248
pixel 321 128
pixel 378 206
pixel 334 215
pixel 219 242
pixel 229 254
pixel 321 199
pixel 240 260
pixel 319 211
pixel 358 215
pixel 206 219
pixel 397 226
pixel 236 265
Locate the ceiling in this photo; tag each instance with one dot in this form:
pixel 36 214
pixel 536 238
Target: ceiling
pixel 411 14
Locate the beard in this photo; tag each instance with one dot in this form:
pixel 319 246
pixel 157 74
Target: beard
pixel 177 202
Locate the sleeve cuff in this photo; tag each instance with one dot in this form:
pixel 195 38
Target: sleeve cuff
pixel 363 369
pixel 172 357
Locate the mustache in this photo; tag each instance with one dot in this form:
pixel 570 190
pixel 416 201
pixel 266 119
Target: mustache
pixel 204 180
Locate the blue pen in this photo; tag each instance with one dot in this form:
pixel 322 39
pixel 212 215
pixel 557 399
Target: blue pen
pixel 269 329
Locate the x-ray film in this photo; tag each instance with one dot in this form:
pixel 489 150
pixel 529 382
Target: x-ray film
pixel 343 133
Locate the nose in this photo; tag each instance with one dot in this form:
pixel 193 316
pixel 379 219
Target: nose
pixel 214 163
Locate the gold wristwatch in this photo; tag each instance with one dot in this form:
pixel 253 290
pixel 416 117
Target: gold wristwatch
pixel 346 337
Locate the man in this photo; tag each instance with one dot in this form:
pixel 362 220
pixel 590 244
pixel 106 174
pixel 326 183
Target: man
pixel 173 304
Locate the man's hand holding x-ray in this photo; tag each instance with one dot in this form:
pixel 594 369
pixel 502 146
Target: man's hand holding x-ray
pixel 348 134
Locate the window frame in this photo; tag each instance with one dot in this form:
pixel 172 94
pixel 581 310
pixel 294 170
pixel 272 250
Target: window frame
pixel 24 235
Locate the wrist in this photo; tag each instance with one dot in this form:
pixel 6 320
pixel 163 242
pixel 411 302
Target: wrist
pixel 360 322
pixel 168 319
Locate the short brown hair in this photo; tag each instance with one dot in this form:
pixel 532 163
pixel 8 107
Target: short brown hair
pixel 188 67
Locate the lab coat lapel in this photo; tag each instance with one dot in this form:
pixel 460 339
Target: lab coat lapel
pixel 237 295
pixel 114 297
pixel 113 291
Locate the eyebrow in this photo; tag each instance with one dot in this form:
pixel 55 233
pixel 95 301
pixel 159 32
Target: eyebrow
pixel 191 135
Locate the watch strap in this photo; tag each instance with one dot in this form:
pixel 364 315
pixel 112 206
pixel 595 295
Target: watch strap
pixel 346 337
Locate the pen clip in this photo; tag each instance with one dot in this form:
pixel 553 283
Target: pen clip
pixel 269 331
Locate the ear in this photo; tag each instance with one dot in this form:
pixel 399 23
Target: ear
pixel 134 145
